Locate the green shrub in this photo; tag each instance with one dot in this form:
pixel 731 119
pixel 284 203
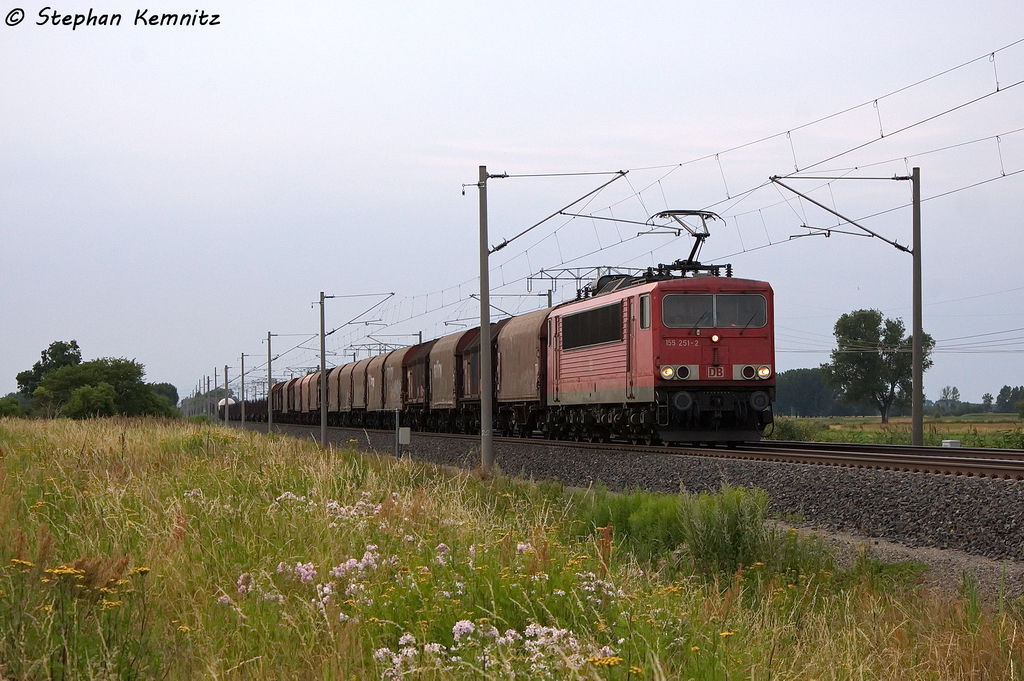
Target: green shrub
pixel 727 529
pixel 794 430
pixel 9 406
pixel 718 532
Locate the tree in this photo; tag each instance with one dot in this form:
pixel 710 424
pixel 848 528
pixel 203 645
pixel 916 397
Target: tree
pixel 987 400
pixel 872 363
pixel 10 406
pixel 949 399
pixel 115 386
pixel 803 392
pixel 168 391
pixel 59 354
pixel 91 401
pixel 1007 398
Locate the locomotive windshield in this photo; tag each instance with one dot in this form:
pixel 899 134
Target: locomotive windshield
pixel 688 310
pixel 705 311
pixel 743 311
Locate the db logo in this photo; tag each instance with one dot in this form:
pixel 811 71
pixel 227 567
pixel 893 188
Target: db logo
pixel 716 372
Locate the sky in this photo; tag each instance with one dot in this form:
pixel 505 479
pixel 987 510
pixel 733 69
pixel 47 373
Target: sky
pixel 171 194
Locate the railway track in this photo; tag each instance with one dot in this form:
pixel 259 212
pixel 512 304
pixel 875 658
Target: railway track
pixel 1007 464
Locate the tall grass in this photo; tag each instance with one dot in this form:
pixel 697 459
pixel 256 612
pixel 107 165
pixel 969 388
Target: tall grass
pixel 148 549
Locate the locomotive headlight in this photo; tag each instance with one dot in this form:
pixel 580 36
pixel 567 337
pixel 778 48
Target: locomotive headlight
pixel 668 372
pixel 714 338
pixel 764 371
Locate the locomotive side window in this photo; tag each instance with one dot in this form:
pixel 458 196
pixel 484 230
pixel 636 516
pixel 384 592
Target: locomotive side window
pixel 688 311
pixel 744 311
pixel 592 327
pixel 645 311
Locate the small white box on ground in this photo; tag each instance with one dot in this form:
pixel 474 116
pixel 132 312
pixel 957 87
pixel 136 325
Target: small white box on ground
pixel 951 443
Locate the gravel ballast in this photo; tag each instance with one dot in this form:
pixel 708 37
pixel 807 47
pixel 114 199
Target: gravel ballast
pixel 980 516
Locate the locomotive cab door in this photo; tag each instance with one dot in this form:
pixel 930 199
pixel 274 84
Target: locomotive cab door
pixel 629 321
pixel 555 339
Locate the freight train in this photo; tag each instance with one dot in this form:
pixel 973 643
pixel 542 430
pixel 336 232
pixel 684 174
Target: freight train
pixel 679 353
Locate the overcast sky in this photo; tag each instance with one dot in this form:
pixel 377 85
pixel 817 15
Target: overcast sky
pixel 173 193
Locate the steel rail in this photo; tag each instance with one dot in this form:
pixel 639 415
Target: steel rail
pixel 1007 464
pixel 966 452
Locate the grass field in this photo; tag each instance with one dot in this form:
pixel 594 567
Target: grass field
pixel 145 549
pixel 973 430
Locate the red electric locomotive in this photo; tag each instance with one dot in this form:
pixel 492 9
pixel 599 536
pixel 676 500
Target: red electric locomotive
pixel 675 358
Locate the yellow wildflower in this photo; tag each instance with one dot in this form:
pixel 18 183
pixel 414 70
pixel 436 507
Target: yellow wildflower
pixel 19 561
pixel 636 670
pixel 183 629
pixel 725 634
pixel 610 661
pixel 65 570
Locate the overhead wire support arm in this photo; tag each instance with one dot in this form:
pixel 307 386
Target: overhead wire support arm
pixel 387 296
pixel 894 244
pixel 494 249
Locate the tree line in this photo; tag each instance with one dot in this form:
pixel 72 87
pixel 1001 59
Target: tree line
pixel 870 372
pixel 61 384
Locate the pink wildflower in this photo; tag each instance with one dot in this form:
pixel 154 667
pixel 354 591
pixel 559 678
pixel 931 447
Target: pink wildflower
pixel 305 572
pixel 340 570
pixel 462 628
pixel 246 584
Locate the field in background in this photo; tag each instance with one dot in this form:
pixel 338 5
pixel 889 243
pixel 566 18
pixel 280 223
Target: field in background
pixel 158 549
pixel 973 430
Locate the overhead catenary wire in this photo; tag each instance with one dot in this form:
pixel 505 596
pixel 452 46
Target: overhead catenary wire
pixel 733 201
